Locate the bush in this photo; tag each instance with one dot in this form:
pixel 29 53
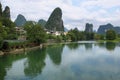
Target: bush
pixel 110 35
pixel 59 39
pixel 13 44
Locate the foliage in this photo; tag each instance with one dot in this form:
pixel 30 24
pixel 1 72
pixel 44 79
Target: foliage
pixel 64 37
pixel 98 37
pixel 9 28
pixel 54 38
pixel 59 39
pixel 110 35
pixel 82 35
pixel 118 35
pixel 3 33
pixel 12 44
pixel 35 33
pixel 110 45
pixel 50 36
pixel 89 35
pixel 76 35
pixel 1 42
pixel 73 34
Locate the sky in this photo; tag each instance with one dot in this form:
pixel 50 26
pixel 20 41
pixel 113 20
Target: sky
pixel 76 13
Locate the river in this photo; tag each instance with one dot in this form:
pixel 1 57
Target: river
pixel 83 60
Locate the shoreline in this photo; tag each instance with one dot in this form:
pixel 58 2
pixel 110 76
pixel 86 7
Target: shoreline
pixel 23 50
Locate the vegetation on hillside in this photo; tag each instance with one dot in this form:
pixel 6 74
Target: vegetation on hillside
pixel 37 34
pixel 7 27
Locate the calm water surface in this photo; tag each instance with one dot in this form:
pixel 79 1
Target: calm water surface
pixel 75 61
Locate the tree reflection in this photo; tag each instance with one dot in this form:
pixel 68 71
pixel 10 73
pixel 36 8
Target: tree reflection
pixel 2 70
pixel 6 61
pixel 110 45
pixel 55 53
pixel 101 45
pixel 88 46
pixel 35 63
pixel 73 46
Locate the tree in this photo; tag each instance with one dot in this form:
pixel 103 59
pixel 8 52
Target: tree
pixel 9 27
pixel 110 35
pixel 76 32
pixel 2 31
pixel 89 35
pixel 2 34
pixel 59 38
pixel 82 35
pixel 35 33
pixel 72 35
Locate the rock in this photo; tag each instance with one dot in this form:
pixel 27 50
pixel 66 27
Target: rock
pixel 1 53
pixel 6 13
pixel 55 22
pixel 20 20
pixel 0 10
pixel 42 23
pixel 117 29
pixel 103 28
pixel 89 28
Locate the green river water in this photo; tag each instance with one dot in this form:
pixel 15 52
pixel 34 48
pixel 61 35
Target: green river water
pixel 84 60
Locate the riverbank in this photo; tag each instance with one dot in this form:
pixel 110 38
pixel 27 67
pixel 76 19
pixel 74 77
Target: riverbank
pixel 24 50
pixel 27 49
pixel 116 41
pixel 1 53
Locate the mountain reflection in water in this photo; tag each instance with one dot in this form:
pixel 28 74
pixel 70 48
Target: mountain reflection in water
pixel 75 61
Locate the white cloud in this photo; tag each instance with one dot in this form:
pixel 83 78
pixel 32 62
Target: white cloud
pixel 75 12
pixel 101 3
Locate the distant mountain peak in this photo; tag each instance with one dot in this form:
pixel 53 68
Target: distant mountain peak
pixel 6 12
pixel 102 29
pixel 55 22
pixel 20 20
pixel 42 22
pixel 89 27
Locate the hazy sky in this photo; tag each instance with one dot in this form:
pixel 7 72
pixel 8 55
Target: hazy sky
pixel 75 12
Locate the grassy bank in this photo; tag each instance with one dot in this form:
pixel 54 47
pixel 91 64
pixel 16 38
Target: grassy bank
pixel 116 40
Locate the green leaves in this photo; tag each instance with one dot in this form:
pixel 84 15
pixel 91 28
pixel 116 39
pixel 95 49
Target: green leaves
pixel 35 33
pixel 110 35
